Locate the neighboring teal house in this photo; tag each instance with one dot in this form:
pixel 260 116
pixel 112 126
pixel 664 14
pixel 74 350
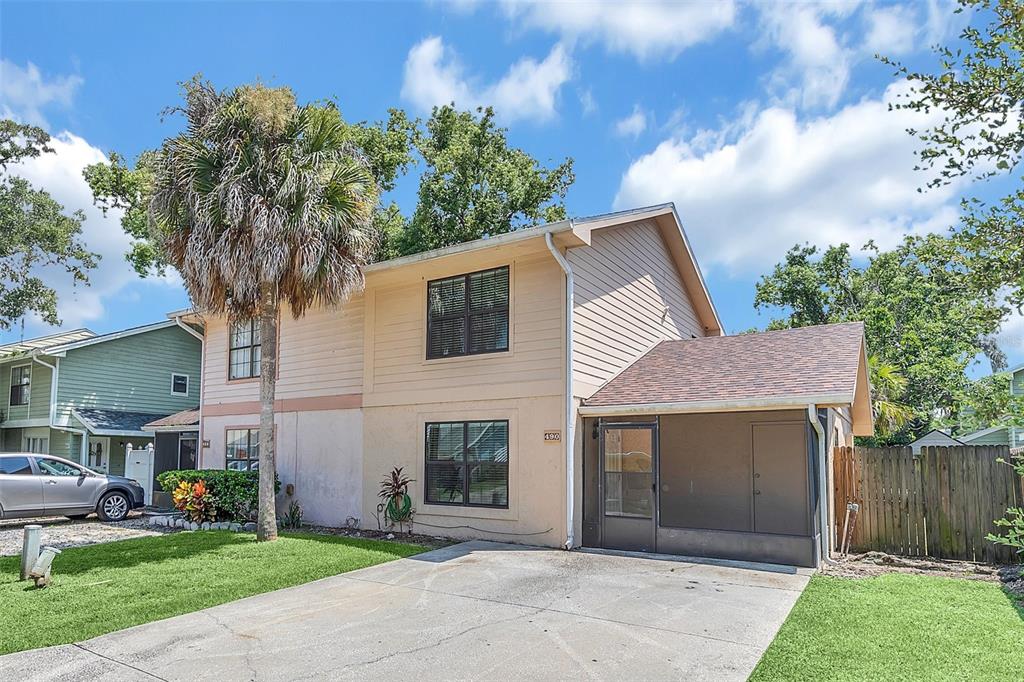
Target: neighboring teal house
pixel 85 396
pixel 1002 435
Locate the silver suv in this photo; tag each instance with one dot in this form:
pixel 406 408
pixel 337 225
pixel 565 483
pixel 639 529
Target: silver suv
pixel 44 485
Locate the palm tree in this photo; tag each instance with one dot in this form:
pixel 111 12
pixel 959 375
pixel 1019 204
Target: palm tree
pixel 888 386
pixel 261 203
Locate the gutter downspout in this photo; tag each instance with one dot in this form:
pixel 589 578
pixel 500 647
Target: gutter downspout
pixel 53 386
pixel 570 417
pixel 202 387
pixel 824 550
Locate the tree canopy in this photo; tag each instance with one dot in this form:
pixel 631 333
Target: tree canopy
pixel 35 233
pixel 472 183
pixel 979 85
pixel 925 321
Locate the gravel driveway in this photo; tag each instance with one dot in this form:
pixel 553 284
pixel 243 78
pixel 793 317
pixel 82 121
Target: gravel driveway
pixel 62 532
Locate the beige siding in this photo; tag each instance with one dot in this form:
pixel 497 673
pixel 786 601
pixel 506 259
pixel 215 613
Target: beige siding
pixel 628 296
pixel 399 373
pixel 320 354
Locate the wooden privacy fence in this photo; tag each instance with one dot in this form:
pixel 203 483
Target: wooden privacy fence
pixel 940 503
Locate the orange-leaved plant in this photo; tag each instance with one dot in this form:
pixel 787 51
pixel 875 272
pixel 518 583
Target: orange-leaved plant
pixel 195 502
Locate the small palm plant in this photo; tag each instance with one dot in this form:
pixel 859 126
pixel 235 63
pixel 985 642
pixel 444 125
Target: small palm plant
pixel 888 386
pixel 394 495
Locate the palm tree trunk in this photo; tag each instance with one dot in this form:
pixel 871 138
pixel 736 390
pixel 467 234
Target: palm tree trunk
pixel 266 523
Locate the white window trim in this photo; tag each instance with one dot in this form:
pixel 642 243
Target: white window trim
pixel 10 384
pixel 188 384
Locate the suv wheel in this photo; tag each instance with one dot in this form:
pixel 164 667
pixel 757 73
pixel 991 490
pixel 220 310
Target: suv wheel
pixel 113 506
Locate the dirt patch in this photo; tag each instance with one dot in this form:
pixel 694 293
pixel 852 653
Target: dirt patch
pixel 872 564
pixel 429 541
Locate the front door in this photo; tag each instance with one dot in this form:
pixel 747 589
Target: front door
pixel 187 447
pixel 628 469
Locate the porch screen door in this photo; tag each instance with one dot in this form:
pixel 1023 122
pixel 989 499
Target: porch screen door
pixel 628 453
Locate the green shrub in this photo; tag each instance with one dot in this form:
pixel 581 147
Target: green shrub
pixel 236 492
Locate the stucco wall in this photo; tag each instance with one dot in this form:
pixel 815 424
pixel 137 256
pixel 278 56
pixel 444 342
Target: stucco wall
pixel 320 452
pixel 394 436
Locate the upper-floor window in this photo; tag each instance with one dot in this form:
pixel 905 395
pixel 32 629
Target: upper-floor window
pixel 21 378
pixel 244 349
pixel 179 384
pixel 468 314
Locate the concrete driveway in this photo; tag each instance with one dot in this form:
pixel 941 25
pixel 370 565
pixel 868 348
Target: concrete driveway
pixel 472 611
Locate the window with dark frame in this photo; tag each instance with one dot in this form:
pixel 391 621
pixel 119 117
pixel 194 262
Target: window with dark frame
pixel 179 384
pixel 21 379
pixel 242 451
pixel 468 314
pixel 244 350
pixel 467 463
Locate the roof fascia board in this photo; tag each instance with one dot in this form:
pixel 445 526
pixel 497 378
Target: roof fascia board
pixel 480 244
pixel 701 406
pixel 60 350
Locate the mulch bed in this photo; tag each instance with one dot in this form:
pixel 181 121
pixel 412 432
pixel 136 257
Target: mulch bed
pixel 872 564
pixel 431 541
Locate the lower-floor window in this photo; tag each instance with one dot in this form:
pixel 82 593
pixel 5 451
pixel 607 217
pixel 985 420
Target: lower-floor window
pixel 467 463
pixel 243 450
pixel 39 446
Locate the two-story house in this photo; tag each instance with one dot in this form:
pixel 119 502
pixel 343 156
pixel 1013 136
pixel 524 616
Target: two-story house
pixel 1002 434
pixel 559 385
pixel 85 396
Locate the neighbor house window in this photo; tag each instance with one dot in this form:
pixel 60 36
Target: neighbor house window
pixel 244 350
pixel 467 463
pixel 468 314
pixel 179 384
pixel 243 450
pixel 21 378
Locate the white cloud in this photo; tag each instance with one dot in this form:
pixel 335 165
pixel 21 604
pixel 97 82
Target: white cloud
pixel 587 102
pixel 60 174
pixel 24 93
pixel 1011 335
pixel 891 30
pixel 749 194
pixel 529 90
pixel 817 67
pixel 661 28
pixel 632 125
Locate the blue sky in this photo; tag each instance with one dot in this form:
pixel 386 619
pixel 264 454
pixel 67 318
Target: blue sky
pixel 767 123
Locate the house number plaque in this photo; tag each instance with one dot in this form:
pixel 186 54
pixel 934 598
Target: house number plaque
pixel 553 436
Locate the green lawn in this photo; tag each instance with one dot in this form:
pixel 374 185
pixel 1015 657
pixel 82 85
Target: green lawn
pixel 898 627
pixel 102 588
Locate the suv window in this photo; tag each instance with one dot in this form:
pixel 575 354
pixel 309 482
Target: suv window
pixel 52 467
pixel 15 465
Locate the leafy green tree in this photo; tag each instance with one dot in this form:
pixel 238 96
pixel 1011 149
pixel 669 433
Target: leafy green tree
pixel 474 184
pixel 35 233
pixel 923 316
pixel 262 204
pixel 980 87
pixel 386 147
pixel 987 402
pixel 888 386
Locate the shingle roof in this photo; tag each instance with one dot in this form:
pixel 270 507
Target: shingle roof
pixel 47 341
pixel 100 422
pixel 184 418
pixel 810 361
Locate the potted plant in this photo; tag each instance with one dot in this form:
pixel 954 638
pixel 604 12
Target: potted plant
pixel 395 500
